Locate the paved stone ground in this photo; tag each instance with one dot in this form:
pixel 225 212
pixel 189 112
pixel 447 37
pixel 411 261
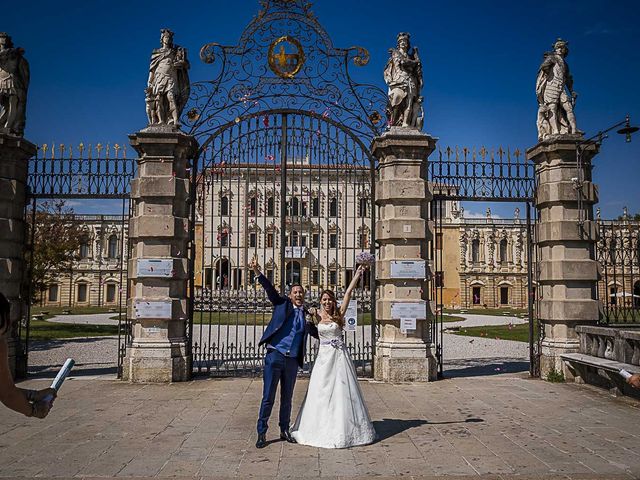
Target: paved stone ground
pixel 496 427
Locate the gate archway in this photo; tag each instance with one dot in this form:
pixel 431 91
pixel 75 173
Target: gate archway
pixel 284 174
pixel 295 190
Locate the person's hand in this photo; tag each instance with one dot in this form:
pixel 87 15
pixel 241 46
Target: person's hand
pixel 40 395
pixel 41 409
pixel 634 380
pixel 254 264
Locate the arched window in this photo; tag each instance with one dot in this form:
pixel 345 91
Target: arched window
pixel 271 207
pixel 253 206
pixel 295 207
pixel 612 251
pixel 315 207
pixel 84 249
pixel 224 205
pixel 294 239
pixel 222 277
pixel 363 207
pixel 333 207
pixel 503 250
pixel 110 294
pixel 112 247
pixel 292 273
pixel 223 238
pixel 475 251
pixel 81 292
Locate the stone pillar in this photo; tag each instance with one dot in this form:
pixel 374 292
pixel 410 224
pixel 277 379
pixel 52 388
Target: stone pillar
pixel 158 301
pixel 15 153
pixel 403 195
pixel 566 236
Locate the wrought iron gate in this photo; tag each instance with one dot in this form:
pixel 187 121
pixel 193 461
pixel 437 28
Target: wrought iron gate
pixel 488 176
pixel 618 253
pixel 97 274
pixel 284 174
pixel 293 189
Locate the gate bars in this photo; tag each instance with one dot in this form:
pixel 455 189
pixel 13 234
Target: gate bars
pixel 295 190
pixel 481 175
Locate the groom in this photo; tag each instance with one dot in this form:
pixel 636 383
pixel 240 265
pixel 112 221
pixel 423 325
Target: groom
pixel 285 338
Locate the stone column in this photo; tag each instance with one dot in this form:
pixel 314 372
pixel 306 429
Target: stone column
pixel 403 195
pixel 566 237
pixel 15 153
pixel 158 301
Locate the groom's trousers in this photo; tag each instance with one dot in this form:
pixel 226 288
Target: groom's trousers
pixel 282 370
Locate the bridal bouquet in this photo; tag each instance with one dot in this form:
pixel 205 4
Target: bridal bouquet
pixel 365 258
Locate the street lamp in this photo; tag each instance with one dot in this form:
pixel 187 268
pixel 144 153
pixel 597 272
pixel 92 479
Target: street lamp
pixel 596 139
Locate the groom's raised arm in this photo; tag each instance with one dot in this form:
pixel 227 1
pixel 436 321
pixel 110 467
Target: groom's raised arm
pixel 272 293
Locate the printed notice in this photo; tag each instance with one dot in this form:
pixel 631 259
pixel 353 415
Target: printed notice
pixel 351 316
pixel 155 267
pixel 152 309
pixel 407 324
pixel 409 310
pixel 408 269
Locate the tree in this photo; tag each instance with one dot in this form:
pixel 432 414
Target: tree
pixel 635 218
pixel 56 240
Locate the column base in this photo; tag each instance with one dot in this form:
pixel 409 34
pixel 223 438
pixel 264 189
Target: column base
pixel 408 361
pixel 157 362
pixel 550 360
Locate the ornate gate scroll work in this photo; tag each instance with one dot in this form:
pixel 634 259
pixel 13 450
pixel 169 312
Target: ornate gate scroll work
pixel 284 173
pixel 245 83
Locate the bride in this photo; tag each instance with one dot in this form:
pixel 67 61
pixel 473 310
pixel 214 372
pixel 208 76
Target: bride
pixel 333 413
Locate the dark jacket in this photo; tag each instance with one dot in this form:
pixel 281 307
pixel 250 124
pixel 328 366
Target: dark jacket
pixel 282 308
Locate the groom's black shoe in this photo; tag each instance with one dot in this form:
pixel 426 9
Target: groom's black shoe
pixel 285 435
pixel 262 440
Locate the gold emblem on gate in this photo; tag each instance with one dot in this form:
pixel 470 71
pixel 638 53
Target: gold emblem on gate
pixel 286 56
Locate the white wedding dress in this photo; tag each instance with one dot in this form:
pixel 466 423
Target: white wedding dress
pixel 333 413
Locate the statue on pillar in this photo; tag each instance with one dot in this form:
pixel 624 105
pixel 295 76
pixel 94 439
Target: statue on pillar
pixel 403 75
pixel 14 82
pixel 556 98
pixel 168 86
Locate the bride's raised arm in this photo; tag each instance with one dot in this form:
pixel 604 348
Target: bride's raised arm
pixel 347 295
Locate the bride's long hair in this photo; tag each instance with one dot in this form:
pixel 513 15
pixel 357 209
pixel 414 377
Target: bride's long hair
pixel 335 314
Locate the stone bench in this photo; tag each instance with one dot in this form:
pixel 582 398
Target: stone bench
pixel 604 351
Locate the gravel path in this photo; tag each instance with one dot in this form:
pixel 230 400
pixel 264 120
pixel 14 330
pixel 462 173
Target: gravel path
pixel 92 319
pixel 462 355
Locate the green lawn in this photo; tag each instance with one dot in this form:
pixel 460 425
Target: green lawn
pixel 43 330
pixel 518 333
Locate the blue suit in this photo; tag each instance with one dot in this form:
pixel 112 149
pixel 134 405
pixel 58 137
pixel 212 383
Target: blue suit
pixel 281 364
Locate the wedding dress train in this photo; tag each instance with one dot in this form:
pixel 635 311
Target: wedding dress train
pixel 333 413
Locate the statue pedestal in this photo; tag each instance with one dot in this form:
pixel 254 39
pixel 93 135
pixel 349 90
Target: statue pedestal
pixel 566 234
pixel 15 153
pixel 158 304
pixel 402 231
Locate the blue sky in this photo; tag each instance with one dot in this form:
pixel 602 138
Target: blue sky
pixel 89 64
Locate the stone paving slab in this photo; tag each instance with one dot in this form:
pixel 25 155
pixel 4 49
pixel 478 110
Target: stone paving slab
pixel 491 428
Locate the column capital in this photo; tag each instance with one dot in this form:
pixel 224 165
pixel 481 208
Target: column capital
pixel 162 142
pixel 562 149
pixel 402 144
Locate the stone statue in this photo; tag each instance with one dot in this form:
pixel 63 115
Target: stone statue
pixel 516 213
pixel 168 86
pixel 463 248
pixel 14 82
pixel 556 98
pixel 403 75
